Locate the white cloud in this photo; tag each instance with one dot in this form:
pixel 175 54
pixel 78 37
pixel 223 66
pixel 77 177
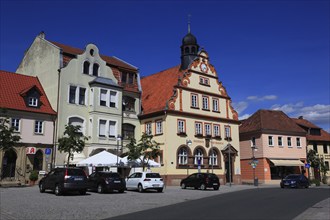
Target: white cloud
pixel 240 106
pixel 263 98
pixel 245 116
pixel 317 114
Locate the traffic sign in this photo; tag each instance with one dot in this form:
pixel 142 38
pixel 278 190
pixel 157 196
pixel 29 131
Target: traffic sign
pixel 48 151
pixel 307 165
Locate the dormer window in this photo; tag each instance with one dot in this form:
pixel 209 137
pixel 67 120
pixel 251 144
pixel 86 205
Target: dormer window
pixel 33 101
pixel 128 78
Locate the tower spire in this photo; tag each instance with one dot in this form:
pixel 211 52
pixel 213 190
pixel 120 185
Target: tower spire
pixel 189 15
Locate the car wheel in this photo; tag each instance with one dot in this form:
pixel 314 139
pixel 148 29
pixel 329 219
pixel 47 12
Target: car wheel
pixel 121 190
pixel 41 188
pixel 82 192
pixel 58 190
pixel 183 186
pixel 140 188
pixel 160 190
pixel 203 187
pixel 216 188
pixel 100 189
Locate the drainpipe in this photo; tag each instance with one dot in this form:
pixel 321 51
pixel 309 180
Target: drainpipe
pixel 56 121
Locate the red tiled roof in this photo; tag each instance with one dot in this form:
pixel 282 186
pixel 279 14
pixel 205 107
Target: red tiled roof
pixel 270 120
pixel 13 85
pixel 110 60
pixel 158 88
pixel 325 136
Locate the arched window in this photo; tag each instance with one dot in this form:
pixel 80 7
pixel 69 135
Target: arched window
pixel 193 50
pixel 86 67
pixel 183 156
pixel 186 50
pixel 128 131
pixel 9 164
pixel 96 69
pixel 77 121
pixel 38 160
pixel 198 156
pixel 213 160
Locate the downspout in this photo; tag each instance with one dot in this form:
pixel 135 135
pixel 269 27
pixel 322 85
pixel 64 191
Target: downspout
pixel 56 123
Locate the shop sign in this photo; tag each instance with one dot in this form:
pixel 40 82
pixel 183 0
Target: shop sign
pixel 31 150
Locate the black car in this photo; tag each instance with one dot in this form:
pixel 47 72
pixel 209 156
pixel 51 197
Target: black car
pixel 106 182
pixel 295 181
pixel 201 181
pixel 61 180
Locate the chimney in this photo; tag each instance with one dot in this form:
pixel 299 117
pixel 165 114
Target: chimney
pixel 301 117
pixel 42 35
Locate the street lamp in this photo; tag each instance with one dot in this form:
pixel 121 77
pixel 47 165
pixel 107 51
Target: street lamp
pixel 254 164
pixel 118 139
pixel 188 143
pixel 229 165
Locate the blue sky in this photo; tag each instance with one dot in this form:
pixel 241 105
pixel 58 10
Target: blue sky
pixel 268 54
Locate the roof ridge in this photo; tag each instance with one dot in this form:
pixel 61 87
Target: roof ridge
pixel 144 77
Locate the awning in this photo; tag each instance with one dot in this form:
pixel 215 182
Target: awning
pixel 287 163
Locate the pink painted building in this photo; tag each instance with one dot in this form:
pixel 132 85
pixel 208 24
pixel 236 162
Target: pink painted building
pixel 277 143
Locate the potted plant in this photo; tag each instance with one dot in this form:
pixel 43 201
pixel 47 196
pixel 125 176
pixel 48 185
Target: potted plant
pixel 33 177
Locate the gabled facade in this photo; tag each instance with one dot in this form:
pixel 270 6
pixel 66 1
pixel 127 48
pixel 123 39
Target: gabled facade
pixel 317 140
pixel 29 112
pixel 280 147
pixel 189 112
pixel 97 92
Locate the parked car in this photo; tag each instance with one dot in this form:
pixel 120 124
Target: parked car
pixel 295 181
pixel 142 181
pixel 102 181
pixel 61 180
pixel 201 181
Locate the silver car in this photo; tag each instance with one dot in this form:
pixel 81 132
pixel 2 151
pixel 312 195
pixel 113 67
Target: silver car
pixel 142 181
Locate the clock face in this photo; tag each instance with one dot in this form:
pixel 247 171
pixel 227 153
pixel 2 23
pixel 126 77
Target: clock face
pixel 203 67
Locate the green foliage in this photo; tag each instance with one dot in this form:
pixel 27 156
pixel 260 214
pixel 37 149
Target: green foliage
pixel 313 159
pixel 33 175
pixel 7 137
pixel 145 150
pixel 316 182
pixel 73 141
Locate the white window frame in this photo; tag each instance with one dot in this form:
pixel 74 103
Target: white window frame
pixel 208 130
pixel 213 158
pixel 280 141
pixel 227 131
pixel 198 128
pixel 298 142
pixel 148 128
pixel 183 156
pixel 270 141
pixel 82 124
pixel 16 124
pixel 38 127
pixel 112 131
pixel 194 101
pixel 159 127
pixel 33 101
pixel 215 104
pixel 216 130
pixel 198 154
pixel 289 140
pixel 181 126
pixel 205 102
pixel 77 95
pixel 103 133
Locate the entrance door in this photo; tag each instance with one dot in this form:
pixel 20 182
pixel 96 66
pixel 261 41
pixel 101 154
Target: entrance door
pixel 227 171
pixel 9 164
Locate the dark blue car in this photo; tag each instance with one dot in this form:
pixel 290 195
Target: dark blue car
pixel 295 181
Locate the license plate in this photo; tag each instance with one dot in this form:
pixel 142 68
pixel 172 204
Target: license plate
pixel 116 181
pixel 155 184
pixel 286 184
pixel 215 184
pixel 78 178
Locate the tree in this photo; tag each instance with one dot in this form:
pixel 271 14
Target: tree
pixel 145 150
pixel 73 141
pixel 7 137
pixel 317 163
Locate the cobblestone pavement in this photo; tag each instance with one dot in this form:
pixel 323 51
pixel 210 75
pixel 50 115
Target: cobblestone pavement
pixel 28 203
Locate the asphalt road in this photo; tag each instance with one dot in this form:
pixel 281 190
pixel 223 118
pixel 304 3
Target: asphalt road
pixel 266 203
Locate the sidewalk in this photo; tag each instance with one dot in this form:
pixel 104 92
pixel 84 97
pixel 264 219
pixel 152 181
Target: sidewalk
pixel 319 211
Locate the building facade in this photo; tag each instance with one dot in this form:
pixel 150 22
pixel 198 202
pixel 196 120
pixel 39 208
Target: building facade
pixel 277 144
pixel 97 92
pixel 319 141
pixel 24 103
pixel 189 112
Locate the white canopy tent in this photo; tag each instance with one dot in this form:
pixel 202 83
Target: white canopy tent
pixel 137 162
pixel 101 159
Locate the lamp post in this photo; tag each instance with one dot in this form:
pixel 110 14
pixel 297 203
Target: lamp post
pixel 254 164
pixel 229 165
pixel 188 143
pixel 118 139
pixel 212 159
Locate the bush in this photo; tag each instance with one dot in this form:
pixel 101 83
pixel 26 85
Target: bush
pixel 316 182
pixel 324 179
pixel 33 175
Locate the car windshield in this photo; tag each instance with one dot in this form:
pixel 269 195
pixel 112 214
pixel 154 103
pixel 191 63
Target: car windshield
pixel 76 172
pixel 292 177
pixel 109 174
pixel 153 175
